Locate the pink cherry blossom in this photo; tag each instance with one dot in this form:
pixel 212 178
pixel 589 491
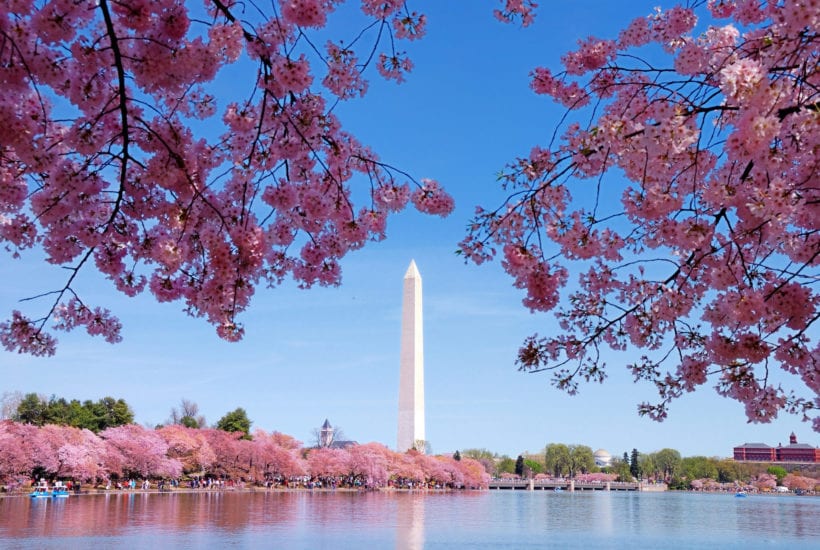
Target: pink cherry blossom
pixel 685 204
pixel 169 451
pixel 119 178
pixel 514 9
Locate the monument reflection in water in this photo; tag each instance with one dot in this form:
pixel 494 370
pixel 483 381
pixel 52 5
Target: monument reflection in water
pixel 401 520
pixel 410 522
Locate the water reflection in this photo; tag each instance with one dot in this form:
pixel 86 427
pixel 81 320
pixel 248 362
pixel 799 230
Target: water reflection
pixel 122 513
pixel 410 521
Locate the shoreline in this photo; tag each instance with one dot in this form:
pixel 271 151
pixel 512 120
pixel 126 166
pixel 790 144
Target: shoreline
pixel 243 490
pixel 248 490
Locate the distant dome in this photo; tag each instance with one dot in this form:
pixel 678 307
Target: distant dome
pixel 602 457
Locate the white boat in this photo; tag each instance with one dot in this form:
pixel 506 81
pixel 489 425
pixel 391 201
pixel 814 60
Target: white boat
pixel 59 490
pixel 40 490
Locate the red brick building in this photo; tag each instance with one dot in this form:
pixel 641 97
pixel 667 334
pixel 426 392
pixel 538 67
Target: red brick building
pixel 759 452
pixel 797 452
pixel 793 452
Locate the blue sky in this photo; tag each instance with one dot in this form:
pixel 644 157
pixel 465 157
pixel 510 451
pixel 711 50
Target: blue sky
pixel 464 112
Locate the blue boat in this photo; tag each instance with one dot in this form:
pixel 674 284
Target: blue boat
pixel 740 494
pixel 40 490
pixel 59 490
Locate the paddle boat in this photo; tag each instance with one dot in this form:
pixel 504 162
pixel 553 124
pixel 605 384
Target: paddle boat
pixel 59 490
pixel 740 494
pixel 40 490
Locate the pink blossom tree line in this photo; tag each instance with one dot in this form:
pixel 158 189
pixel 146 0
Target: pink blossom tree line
pixel 133 451
pixel 688 198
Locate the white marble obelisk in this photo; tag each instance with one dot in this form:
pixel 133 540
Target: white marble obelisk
pixel 411 376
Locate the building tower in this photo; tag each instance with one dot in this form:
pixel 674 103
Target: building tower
pixel 326 434
pixel 411 375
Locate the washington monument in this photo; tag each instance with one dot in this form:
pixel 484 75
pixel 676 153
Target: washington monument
pixel 411 376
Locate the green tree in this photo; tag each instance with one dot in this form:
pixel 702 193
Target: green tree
pixel 698 467
pixel 582 459
pixel 532 466
pixel 729 471
pixel 634 465
pixel 777 471
pixel 505 464
pixel 647 467
pixel 235 421
pixel 189 422
pixel 109 412
pixel 620 467
pixel 519 466
pixel 31 410
pixel 56 411
pixel 668 462
pixel 81 415
pixel 95 416
pixel 557 459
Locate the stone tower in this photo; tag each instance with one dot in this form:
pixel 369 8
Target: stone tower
pixel 326 434
pixel 411 376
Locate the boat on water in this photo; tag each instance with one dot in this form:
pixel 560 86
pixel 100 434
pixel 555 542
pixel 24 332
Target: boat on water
pixel 558 490
pixel 40 490
pixel 740 494
pixel 59 490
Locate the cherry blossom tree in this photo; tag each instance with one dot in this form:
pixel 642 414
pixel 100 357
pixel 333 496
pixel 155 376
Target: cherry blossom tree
pixel 803 483
pixel 80 456
pixel 229 453
pixel 368 464
pixel 475 474
pixel 404 469
pixel 328 463
pixel 189 446
pixel 134 450
pixel 117 156
pixel 765 482
pixel 273 458
pixel 16 453
pixel 688 203
pixel 435 471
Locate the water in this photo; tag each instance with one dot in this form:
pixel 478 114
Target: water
pixel 506 519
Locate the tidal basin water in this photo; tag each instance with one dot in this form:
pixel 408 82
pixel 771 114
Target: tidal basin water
pixel 507 519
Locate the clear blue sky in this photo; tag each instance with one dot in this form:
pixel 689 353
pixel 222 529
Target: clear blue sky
pixel 465 112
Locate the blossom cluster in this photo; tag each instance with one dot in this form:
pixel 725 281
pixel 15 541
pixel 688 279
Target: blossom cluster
pixel 103 162
pixel 688 203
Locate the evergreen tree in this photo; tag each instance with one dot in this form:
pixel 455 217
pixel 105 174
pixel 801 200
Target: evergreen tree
pixel 519 466
pixel 31 410
pixel 634 468
pixel 92 415
pixel 235 421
